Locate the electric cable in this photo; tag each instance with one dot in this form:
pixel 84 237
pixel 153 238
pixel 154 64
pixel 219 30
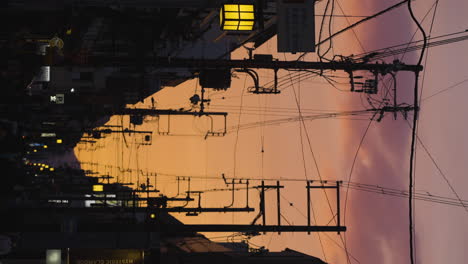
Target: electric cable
pixel 414 135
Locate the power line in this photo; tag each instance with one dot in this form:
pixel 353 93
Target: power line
pixel 446 89
pixel 405 47
pixel 313 214
pixel 301 119
pixel 239 120
pixel 424 40
pixel 414 134
pixel 315 221
pixel 357 23
pixel 315 162
pixel 418 195
pixel 298 105
pixel 442 174
pixel 352 167
pixel 420 97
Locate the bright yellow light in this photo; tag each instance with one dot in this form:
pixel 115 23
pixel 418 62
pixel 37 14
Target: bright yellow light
pixel 246 23
pixel 98 188
pixel 231 15
pixel 246 16
pixel 230 28
pixel 41 169
pixel 35 164
pixel 51 169
pixel 152 216
pixel 45 146
pixel 245 28
pixel 59 141
pixel 46 166
pixel 232 23
pixel 237 17
pixel 231 8
pixel 35 150
pixel 246 8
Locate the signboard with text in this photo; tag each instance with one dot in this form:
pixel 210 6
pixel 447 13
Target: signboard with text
pixel 105 256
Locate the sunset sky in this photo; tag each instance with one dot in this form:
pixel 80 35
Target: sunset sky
pixel 377 223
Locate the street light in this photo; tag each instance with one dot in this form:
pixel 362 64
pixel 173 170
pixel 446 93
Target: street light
pixel 237 17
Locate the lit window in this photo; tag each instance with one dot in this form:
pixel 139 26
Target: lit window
pixel 231 23
pixel 59 141
pixel 237 17
pixel 246 23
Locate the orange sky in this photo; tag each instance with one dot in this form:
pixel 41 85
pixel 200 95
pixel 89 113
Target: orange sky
pixel 191 154
pixel 382 158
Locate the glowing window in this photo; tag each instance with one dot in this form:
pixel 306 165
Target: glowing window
pixel 237 17
pixel 246 23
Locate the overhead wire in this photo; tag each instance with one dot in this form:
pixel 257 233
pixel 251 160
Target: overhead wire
pixel 418 195
pixel 352 167
pixel 301 119
pixel 442 173
pixel 372 188
pixel 424 40
pixel 237 132
pixel 322 23
pixel 351 26
pixel 313 214
pixel 298 101
pixel 406 47
pixel 310 148
pixel 414 136
pixel 445 89
pixel 419 105
pixel 354 24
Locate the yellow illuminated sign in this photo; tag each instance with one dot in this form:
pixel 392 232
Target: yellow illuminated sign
pixel 238 17
pixel 98 188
